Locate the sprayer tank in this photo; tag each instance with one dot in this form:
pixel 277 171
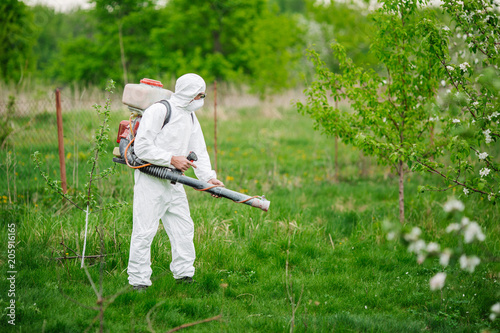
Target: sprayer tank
pixel 141 96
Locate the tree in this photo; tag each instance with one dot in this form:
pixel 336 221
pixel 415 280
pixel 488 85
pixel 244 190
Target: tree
pixel 346 23
pixel 17 37
pixel 58 30
pixel 113 12
pixel 91 53
pixel 468 54
pixel 388 118
pixel 46 46
pixel 235 40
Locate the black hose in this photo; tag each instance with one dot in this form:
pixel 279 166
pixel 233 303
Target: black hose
pixel 176 176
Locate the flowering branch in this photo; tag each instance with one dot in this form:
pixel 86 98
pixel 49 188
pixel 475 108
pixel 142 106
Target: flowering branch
pixel 468 232
pixel 433 170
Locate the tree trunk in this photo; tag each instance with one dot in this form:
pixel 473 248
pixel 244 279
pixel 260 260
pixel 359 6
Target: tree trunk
pixel 122 53
pixel 336 158
pixel 401 192
pixel 432 140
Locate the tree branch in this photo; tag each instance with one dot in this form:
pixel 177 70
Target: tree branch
pixel 448 179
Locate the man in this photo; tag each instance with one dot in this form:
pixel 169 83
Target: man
pixel 156 199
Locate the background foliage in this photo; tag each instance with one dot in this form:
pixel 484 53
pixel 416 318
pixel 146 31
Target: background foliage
pixel 256 43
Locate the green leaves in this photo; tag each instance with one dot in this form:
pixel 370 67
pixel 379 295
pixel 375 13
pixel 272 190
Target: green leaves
pixel 386 110
pixel 233 41
pixel 400 115
pixel 18 35
pixel 88 197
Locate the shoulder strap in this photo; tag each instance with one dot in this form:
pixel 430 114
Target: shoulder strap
pixel 169 111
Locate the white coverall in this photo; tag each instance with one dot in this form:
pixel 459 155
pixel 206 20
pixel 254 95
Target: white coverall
pixel 156 199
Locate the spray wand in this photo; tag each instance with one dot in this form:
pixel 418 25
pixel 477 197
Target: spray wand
pixel 176 176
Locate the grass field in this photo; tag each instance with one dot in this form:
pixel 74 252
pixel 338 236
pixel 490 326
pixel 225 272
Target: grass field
pixel 318 260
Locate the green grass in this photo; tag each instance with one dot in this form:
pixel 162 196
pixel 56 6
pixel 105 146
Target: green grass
pixel 348 277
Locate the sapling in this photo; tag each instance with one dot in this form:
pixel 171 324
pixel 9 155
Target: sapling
pixel 86 200
pixel 387 116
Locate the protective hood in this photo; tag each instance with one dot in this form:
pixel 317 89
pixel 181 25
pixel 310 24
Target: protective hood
pixel 187 88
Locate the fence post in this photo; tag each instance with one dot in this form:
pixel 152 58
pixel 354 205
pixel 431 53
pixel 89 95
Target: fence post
pixel 60 137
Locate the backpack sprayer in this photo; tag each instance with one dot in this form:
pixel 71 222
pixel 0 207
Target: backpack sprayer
pixel 139 97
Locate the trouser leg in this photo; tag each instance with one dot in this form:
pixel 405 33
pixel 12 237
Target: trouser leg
pixel 145 225
pixel 180 229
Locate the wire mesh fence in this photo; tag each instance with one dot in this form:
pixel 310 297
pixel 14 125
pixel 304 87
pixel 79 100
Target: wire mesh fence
pixel 28 123
pixel 23 113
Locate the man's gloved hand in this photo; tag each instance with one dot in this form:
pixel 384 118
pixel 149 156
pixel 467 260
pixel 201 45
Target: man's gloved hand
pixel 181 163
pixel 215 181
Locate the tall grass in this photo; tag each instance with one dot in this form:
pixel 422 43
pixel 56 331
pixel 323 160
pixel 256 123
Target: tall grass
pixel 322 242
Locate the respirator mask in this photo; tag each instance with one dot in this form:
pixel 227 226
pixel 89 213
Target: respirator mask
pixel 195 105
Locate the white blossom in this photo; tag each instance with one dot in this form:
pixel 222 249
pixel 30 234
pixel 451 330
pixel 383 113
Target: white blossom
pixel 464 66
pixel 453 227
pixel 493 115
pixel 417 247
pixel 456 121
pixel 453 204
pixel 445 28
pixel 413 235
pixel 484 172
pixel 421 258
pixel 482 156
pixel 466 191
pixel 473 231
pixel 450 68
pixel 469 263
pixel 433 247
pixel 444 258
pixel 437 281
pixel 465 221
pixel 476 103
pixel 487 136
pixel 495 311
pixel 443 83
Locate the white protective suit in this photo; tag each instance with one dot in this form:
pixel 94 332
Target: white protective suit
pixel 156 199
